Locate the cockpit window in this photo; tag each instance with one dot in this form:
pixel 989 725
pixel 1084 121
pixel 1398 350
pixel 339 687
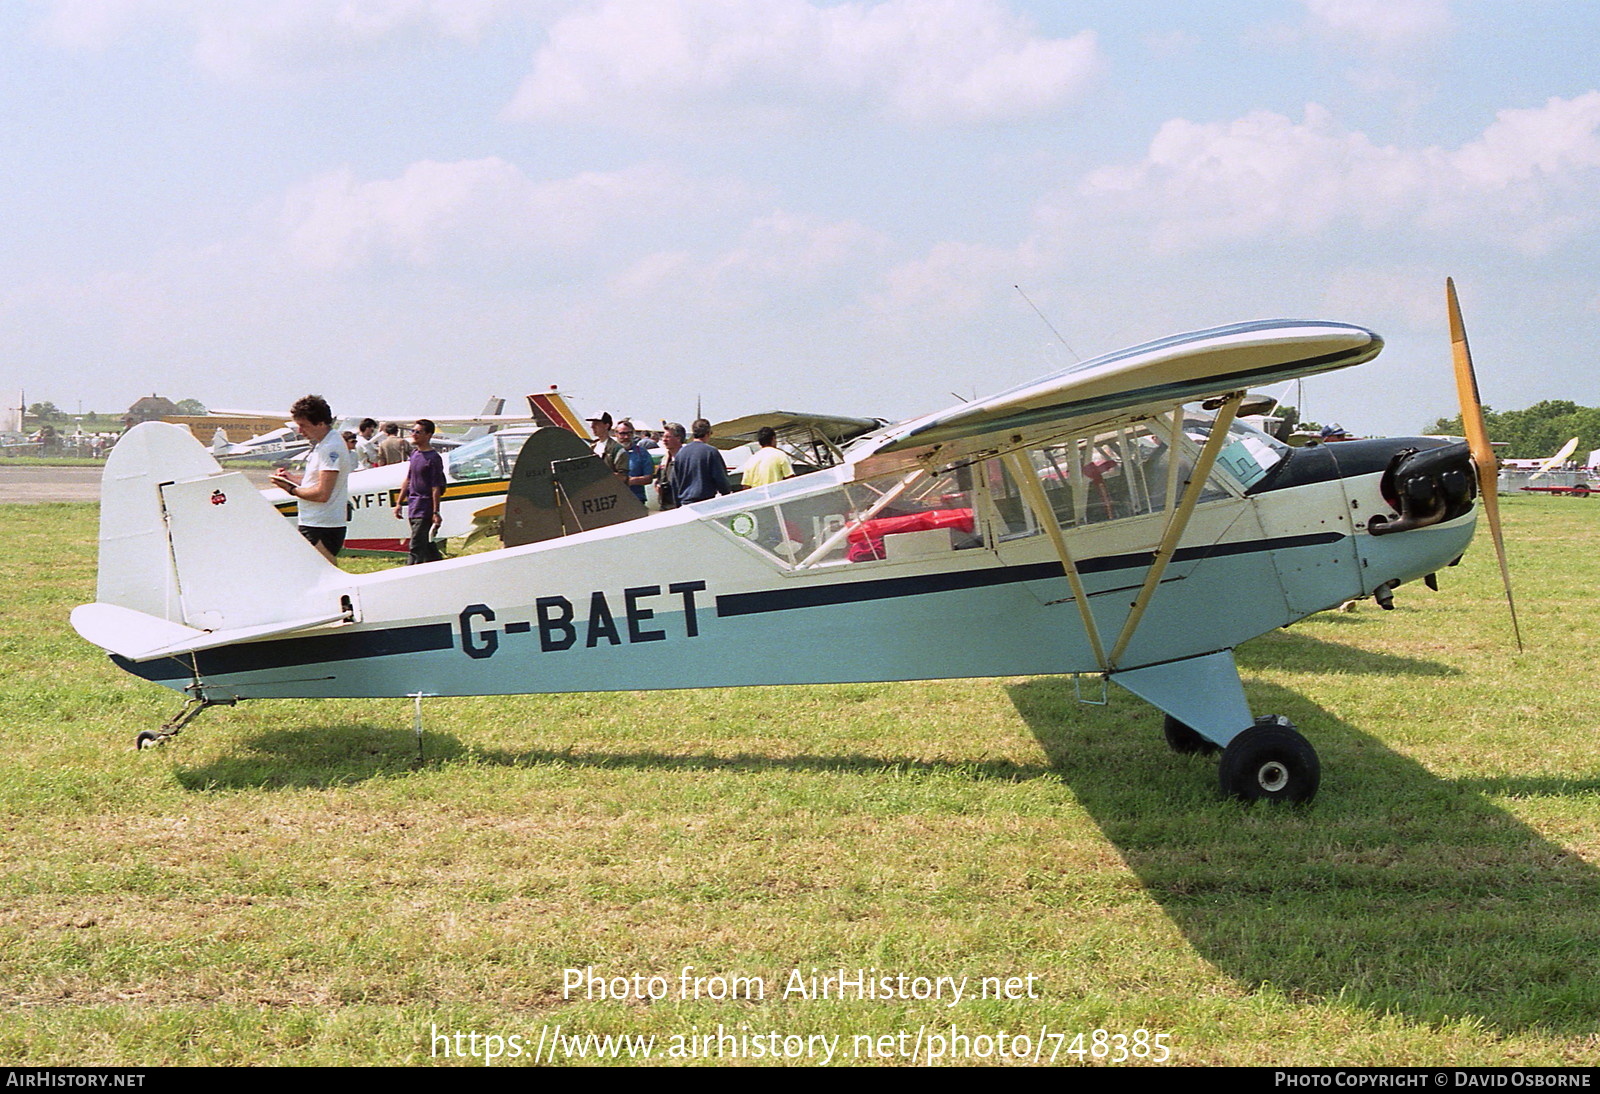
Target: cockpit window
pixel 490 457
pixel 872 520
pixel 1249 453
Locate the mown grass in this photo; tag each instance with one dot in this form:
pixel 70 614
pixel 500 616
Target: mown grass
pixel 288 883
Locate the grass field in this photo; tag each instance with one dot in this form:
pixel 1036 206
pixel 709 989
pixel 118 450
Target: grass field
pixel 286 883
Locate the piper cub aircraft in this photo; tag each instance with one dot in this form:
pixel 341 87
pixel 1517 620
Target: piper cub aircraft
pixel 1095 521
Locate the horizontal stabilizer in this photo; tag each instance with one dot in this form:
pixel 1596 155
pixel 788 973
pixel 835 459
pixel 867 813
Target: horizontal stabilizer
pixel 140 637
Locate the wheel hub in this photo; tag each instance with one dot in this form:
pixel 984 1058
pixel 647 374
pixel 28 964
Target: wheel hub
pixel 1272 777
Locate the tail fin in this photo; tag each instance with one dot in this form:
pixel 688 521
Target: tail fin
pixel 187 543
pixel 549 408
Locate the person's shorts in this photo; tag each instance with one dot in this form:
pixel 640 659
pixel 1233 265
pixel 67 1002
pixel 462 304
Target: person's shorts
pixel 331 538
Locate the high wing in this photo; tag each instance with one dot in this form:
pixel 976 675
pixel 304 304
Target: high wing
pixel 815 440
pixel 1154 376
pixel 838 429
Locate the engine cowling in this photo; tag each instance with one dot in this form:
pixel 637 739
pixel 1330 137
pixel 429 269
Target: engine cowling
pixel 1426 487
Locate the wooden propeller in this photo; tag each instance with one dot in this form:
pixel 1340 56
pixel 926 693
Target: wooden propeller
pixel 1478 441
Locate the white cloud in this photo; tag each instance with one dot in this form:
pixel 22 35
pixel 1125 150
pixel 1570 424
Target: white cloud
pixel 1556 140
pixel 447 212
pixel 1530 181
pixel 784 245
pixel 1412 296
pixel 1385 24
pixel 264 37
pixel 781 256
pixel 951 280
pixel 645 63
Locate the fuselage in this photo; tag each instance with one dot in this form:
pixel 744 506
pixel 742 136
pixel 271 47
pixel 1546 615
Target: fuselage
pixel 792 583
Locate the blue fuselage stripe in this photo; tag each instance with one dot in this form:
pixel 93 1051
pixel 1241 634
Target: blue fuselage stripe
pixel 288 652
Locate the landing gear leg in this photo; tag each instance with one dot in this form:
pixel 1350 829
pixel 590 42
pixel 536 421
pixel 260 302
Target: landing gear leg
pixel 192 706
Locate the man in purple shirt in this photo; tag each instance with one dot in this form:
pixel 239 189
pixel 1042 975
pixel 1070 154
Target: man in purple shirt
pixel 422 493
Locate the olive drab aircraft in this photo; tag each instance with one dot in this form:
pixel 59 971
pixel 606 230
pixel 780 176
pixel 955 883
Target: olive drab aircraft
pixel 1104 520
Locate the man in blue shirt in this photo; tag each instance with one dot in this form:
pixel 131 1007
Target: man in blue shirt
pixel 698 472
pixel 641 468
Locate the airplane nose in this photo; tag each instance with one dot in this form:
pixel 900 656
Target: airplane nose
pixel 1426 487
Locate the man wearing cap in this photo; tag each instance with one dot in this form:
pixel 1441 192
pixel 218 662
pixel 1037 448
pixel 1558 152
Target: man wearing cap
pixel 612 454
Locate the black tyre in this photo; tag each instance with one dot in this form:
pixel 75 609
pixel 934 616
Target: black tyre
pixel 1180 738
pixel 1270 761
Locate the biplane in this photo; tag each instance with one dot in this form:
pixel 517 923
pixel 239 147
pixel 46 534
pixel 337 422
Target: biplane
pixel 1114 519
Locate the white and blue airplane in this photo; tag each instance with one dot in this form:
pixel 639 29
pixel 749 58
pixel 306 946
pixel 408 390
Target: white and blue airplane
pixel 1113 519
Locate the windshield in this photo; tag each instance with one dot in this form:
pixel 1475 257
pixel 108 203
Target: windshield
pixel 1249 453
pixel 490 457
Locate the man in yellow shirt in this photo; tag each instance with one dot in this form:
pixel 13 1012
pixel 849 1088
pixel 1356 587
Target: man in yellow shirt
pixel 768 465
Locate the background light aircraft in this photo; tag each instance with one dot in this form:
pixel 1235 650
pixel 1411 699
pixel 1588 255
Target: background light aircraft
pixel 812 441
pixel 477 472
pixel 1090 522
pixel 1552 475
pixel 286 443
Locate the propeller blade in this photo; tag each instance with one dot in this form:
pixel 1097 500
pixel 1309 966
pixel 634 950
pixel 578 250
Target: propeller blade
pixel 1478 441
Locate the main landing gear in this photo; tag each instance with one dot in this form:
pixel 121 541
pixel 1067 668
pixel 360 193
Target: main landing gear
pixel 1270 761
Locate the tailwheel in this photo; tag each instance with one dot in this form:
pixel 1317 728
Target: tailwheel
pixel 1270 761
pixel 196 702
pixel 1181 738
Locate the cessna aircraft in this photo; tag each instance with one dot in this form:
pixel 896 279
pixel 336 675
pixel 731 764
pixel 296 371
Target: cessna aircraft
pixel 1094 521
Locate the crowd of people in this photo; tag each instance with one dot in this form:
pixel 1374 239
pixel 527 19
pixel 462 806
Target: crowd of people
pixel 690 470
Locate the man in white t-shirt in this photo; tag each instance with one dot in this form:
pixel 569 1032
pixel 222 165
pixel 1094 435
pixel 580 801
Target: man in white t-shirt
pixel 367 445
pixel 322 490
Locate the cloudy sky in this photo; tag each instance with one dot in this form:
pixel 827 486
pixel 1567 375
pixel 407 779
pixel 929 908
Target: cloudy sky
pixel 414 204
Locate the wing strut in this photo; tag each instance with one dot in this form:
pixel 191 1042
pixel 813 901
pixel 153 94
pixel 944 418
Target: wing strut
pixel 1028 482
pixel 1178 520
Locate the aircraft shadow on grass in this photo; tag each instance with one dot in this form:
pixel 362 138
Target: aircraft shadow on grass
pixel 1294 650
pixel 1397 892
pixel 345 755
pixel 341 755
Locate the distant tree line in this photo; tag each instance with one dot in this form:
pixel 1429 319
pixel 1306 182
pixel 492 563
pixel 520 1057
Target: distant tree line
pixel 47 413
pixel 1536 432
